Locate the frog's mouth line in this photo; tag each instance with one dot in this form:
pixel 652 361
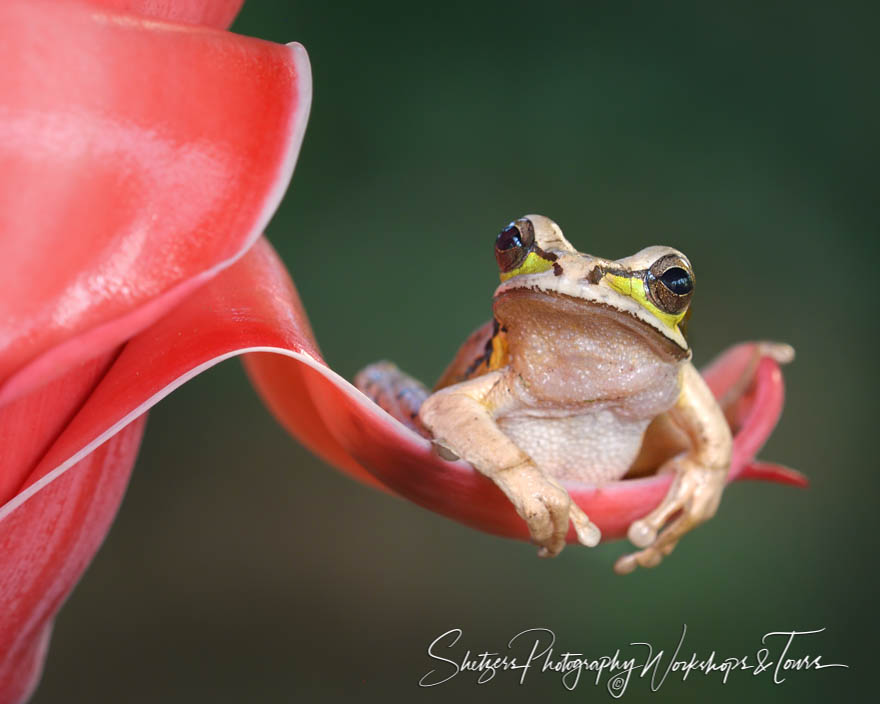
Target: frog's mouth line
pixel 653 335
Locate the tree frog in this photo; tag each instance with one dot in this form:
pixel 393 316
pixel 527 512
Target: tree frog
pixel 582 355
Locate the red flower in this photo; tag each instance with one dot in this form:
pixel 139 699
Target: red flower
pixel 141 160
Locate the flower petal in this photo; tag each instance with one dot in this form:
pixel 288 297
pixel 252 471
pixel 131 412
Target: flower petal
pixel 403 462
pixel 138 159
pixel 212 13
pixel 253 307
pixel 769 472
pixel 31 423
pixel 45 549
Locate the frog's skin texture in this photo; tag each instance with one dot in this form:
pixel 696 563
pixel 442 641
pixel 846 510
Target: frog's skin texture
pixel 583 354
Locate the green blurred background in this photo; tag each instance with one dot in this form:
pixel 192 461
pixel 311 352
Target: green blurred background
pixel 243 569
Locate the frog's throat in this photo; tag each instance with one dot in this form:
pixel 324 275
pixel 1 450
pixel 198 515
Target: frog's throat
pixel 610 303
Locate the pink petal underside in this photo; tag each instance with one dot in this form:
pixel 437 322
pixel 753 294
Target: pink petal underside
pixel 45 549
pixel 253 308
pixel 137 159
pixel 211 13
pixel 31 423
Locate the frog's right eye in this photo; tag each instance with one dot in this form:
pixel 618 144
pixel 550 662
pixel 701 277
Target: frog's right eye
pixel 513 244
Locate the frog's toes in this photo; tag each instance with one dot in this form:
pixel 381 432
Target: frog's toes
pixel 395 392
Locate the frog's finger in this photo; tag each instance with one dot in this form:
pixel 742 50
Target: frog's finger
pixel 625 564
pixel 649 557
pixel 588 533
pixel 643 532
pixel 537 517
pixel 654 554
pixel 546 514
pixel 552 546
pixel 540 501
pixel 557 512
pixel 695 491
pixel 559 506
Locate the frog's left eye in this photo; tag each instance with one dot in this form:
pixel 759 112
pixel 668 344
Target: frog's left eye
pixel 670 284
pixel 513 244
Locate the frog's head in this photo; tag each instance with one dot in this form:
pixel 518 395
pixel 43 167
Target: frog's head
pixel 653 286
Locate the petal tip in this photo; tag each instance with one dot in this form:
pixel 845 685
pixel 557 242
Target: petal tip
pixel 768 472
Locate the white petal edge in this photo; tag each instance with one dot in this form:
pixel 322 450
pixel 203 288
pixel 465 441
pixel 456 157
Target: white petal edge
pixel 407 436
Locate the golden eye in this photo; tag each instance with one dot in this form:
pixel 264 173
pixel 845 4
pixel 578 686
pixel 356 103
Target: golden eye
pixel 513 244
pixel 670 284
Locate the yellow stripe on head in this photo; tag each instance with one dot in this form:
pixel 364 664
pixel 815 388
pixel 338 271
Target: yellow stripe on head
pixel 532 264
pixel 634 287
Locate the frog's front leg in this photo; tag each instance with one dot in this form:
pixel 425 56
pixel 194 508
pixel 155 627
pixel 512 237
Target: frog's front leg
pixel 700 476
pixel 461 419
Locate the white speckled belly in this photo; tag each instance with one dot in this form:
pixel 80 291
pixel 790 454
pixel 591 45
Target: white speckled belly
pixel 596 447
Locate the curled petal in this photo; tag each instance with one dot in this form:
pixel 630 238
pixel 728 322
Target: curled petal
pixel 253 308
pixel 769 472
pixel 353 428
pixel 252 305
pixel 404 463
pixel 31 423
pixel 139 158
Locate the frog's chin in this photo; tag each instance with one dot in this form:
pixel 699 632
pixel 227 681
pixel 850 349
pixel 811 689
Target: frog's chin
pixel 537 307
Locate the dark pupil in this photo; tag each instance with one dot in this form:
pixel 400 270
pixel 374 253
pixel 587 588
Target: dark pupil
pixel 677 280
pixel 508 239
